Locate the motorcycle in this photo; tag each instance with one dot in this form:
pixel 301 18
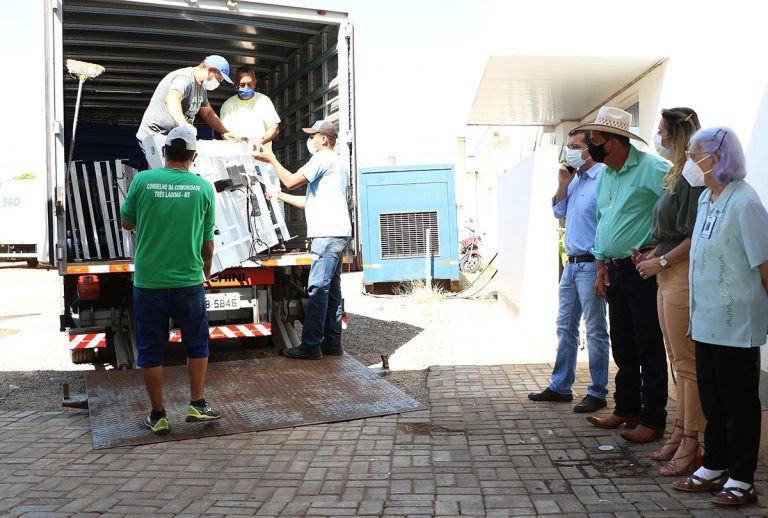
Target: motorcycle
pixel 469 255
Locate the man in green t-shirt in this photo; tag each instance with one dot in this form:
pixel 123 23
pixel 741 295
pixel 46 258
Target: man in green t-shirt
pixel 173 212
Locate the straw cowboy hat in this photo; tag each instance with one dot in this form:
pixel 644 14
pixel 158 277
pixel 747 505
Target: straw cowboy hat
pixel 612 120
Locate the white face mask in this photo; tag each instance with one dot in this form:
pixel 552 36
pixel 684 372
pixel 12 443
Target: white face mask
pixel 211 84
pixel 573 157
pixel 660 149
pixel 693 173
pixel 311 146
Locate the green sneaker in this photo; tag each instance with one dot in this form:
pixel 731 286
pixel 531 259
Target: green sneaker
pixel 196 414
pixel 157 426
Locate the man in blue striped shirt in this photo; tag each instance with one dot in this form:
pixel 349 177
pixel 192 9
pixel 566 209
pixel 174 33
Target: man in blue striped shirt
pixel 575 200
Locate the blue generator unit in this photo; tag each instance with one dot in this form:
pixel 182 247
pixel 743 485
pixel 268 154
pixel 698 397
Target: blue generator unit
pixel 398 204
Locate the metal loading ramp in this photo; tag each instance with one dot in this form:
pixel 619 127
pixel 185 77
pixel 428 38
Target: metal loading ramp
pixel 253 395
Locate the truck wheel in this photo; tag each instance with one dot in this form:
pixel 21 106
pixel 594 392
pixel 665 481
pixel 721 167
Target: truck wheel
pixel 32 263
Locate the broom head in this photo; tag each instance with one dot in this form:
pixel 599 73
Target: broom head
pixel 84 70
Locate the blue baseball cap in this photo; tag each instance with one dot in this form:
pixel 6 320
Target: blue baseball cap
pixel 220 64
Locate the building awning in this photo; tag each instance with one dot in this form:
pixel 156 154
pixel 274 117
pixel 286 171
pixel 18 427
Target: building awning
pixel 546 90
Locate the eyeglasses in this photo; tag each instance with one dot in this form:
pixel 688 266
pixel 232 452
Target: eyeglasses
pixel 690 155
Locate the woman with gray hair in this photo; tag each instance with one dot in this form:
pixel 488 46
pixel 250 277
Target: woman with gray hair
pixel 729 304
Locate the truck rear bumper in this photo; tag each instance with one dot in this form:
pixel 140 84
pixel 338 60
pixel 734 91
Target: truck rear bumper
pixel 96 338
pixel 231 331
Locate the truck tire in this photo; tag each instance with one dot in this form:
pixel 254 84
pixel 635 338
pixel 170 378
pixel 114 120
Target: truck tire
pixel 32 263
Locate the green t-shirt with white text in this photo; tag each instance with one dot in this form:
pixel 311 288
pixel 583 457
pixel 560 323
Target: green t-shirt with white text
pixel 174 212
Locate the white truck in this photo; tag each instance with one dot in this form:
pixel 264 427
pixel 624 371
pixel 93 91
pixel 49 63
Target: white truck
pixel 22 215
pixel 304 62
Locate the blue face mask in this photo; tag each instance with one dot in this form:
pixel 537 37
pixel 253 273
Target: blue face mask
pixel 245 93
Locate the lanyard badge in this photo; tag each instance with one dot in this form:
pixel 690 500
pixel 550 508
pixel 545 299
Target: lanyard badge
pixel 709 225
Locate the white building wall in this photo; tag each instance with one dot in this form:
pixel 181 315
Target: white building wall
pixel 528 244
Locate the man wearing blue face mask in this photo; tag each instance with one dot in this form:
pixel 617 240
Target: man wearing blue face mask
pixel 249 113
pixel 575 201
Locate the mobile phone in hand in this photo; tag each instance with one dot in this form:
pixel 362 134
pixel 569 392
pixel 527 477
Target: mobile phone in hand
pixel 570 169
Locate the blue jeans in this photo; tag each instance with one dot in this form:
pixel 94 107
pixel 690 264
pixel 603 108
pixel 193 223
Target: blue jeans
pixel 152 309
pixel 323 319
pixel 577 297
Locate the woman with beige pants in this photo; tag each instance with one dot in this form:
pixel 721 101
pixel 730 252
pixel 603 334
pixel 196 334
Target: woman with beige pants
pixel 673 219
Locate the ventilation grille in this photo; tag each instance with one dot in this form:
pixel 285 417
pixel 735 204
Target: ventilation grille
pixel 403 234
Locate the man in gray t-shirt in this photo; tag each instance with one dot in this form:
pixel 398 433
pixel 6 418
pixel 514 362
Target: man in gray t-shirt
pixel 180 96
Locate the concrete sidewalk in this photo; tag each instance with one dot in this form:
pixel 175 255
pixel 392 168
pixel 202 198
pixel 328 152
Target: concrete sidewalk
pixel 482 449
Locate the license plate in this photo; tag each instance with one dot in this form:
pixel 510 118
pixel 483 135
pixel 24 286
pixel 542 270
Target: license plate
pixel 222 301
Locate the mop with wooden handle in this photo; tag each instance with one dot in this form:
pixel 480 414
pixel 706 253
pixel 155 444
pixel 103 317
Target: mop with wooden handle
pixel 82 71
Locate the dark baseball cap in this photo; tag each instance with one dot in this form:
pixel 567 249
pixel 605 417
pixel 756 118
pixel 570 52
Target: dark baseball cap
pixel 324 128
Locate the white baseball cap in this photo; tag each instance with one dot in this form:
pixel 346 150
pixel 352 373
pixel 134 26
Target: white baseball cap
pixel 185 133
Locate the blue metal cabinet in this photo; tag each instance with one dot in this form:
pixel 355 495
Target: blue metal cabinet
pixel 398 204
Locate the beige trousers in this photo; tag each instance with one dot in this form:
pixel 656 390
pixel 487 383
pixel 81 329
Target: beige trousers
pixel 672 302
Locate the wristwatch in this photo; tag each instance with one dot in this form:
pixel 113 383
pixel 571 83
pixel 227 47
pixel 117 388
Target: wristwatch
pixel 663 261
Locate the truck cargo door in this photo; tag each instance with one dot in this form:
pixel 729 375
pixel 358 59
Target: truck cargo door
pixel 347 118
pixel 54 95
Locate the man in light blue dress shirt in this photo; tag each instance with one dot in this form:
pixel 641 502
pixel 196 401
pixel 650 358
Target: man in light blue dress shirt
pixel 575 201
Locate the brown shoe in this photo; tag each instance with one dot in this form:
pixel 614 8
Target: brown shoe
pixel 643 434
pixel 613 421
pixel 689 485
pixel 735 496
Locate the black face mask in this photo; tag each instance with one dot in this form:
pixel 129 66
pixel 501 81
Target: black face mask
pixel 597 152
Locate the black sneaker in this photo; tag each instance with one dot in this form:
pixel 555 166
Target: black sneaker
pixel 589 404
pixel 303 353
pixel 331 350
pixel 550 395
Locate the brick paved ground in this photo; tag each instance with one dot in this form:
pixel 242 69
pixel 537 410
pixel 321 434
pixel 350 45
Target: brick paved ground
pixel 482 449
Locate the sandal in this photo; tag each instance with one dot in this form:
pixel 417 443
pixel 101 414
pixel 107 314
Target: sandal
pixel 689 485
pixel 675 468
pixel 667 451
pixel 728 496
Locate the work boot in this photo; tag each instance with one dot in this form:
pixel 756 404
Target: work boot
pixel 330 349
pixel 613 421
pixel 303 353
